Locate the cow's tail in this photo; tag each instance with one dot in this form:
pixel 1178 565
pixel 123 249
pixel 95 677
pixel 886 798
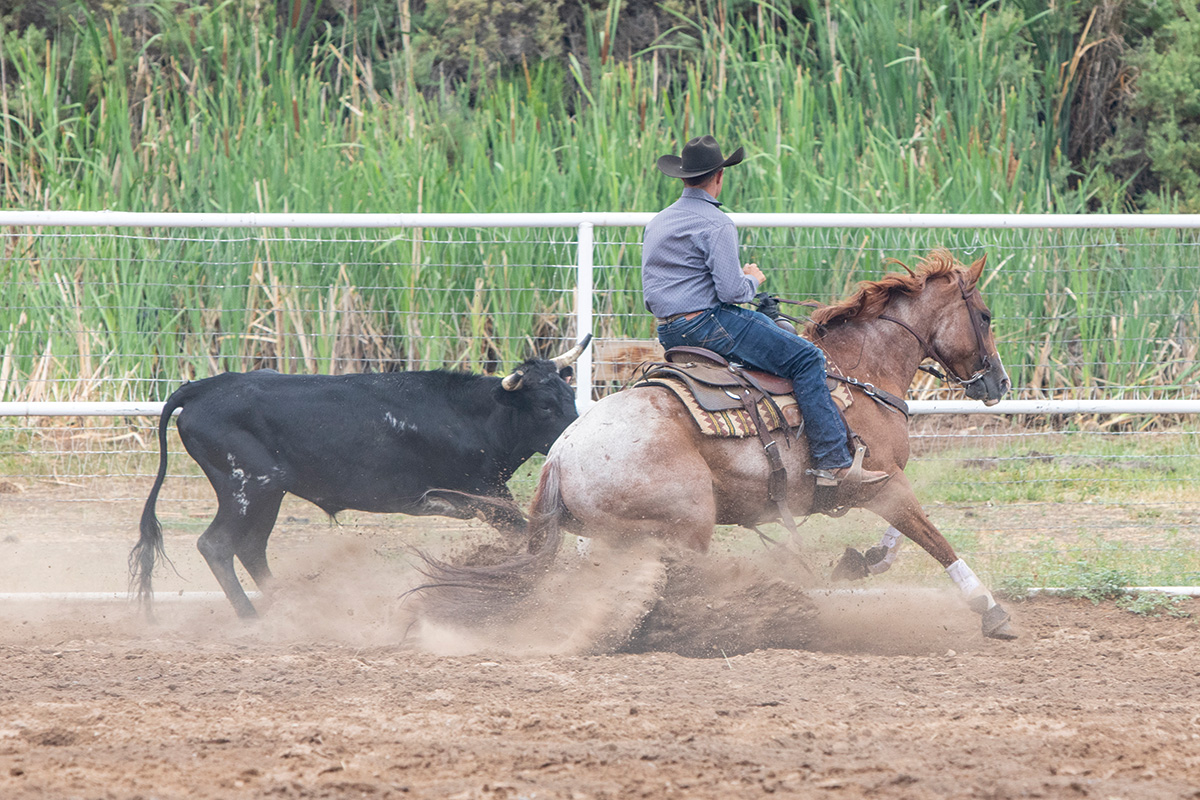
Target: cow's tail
pixel 474 592
pixel 149 546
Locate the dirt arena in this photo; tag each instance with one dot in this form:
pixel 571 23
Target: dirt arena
pixel 893 693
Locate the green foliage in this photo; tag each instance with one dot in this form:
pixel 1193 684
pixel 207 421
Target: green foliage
pixel 472 40
pixel 1084 578
pixel 1156 144
pixel 1084 512
pixel 1012 587
pixel 1118 469
pixel 866 109
pixel 1156 604
pixel 1098 583
pixel 868 105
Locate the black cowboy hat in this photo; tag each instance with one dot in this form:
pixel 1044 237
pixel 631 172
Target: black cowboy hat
pixel 700 155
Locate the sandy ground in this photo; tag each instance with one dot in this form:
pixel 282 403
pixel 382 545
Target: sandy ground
pixel 889 692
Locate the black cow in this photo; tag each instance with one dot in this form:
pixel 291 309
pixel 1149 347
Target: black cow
pixel 415 442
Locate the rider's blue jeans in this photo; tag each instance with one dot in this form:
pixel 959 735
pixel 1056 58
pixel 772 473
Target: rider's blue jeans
pixel 753 339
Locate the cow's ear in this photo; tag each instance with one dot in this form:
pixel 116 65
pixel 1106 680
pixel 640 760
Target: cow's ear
pixel 506 397
pixel 566 373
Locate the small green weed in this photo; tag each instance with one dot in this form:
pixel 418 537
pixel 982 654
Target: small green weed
pixel 1011 587
pixel 1101 583
pixel 1154 604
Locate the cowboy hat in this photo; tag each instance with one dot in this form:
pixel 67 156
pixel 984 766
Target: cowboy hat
pixel 701 155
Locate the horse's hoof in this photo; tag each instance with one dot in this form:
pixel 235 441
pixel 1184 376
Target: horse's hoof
pixel 875 554
pixel 852 566
pixel 997 624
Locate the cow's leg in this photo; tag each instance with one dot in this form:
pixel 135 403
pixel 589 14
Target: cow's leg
pixel 897 504
pixel 249 489
pixel 250 543
pixel 216 544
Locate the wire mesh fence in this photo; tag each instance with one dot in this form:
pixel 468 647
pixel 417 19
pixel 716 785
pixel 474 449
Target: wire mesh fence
pixel 108 314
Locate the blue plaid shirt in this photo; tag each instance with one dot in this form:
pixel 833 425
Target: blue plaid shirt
pixel 690 258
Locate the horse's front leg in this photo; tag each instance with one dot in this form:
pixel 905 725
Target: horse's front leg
pixel 854 566
pixel 897 504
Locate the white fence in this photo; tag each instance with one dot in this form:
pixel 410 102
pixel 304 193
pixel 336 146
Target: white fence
pixel 585 265
pixel 1096 318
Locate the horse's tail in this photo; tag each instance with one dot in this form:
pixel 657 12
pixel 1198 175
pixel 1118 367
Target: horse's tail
pixel 546 513
pixel 474 591
pixel 150 544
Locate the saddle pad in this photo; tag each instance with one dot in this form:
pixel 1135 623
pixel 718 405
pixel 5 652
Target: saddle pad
pixel 736 422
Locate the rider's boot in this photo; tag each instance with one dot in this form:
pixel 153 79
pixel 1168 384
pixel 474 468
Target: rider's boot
pixel 848 477
pixel 845 486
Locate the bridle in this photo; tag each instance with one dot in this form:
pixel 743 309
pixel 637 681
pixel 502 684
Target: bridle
pixel 977 325
pixel 769 305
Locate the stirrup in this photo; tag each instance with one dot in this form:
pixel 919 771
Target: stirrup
pixel 825 478
pixel 854 476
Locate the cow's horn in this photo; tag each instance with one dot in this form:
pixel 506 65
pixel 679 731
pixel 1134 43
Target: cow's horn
pixel 568 358
pixel 513 382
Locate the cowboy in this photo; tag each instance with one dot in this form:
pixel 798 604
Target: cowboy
pixel 692 281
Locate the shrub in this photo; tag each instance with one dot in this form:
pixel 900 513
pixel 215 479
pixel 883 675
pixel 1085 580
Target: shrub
pixel 1155 147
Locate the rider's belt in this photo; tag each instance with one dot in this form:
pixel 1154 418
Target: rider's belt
pixel 684 315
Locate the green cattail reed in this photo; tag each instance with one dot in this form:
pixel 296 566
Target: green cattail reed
pixel 864 106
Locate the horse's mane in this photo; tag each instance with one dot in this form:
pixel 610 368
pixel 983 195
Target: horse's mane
pixel 871 297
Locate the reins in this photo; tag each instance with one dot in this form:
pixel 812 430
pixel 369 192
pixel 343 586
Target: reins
pixel 769 305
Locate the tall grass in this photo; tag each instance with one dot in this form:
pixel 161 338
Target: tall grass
pixel 868 105
pixel 843 112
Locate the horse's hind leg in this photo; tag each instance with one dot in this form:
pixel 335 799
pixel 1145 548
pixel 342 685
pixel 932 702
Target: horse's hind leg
pixel 897 504
pixel 623 485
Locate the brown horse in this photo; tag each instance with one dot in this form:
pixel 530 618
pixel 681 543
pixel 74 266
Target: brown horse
pixel 636 465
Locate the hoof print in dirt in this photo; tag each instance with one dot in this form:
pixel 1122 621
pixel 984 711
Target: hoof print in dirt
pixel 719 607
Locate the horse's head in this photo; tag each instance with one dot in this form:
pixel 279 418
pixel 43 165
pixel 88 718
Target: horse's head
pixel 962 338
pixel 940 305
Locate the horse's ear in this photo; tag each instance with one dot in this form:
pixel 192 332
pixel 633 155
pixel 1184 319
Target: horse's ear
pixel 975 271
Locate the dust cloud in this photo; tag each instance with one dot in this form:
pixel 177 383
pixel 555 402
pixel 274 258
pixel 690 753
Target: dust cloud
pixel 652 599
pixel 351 591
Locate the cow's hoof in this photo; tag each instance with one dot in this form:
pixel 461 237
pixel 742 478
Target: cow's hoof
pixel 997 624
pixel 852 566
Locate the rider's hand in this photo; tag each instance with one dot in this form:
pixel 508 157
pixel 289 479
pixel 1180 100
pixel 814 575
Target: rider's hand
pixel 754 272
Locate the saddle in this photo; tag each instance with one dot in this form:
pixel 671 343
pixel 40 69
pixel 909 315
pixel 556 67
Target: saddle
pixel 731 401
pixel 728 400
pixel 718 394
